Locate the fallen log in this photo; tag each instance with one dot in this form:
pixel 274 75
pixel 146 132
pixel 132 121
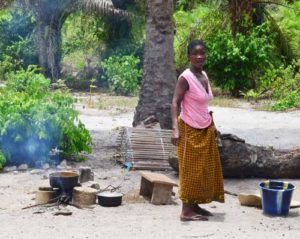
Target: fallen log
pixel 242 160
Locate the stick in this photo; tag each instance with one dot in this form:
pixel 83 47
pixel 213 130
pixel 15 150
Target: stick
pixel 230 193
pixel 74 205
pixel 42 204
pixel 35 205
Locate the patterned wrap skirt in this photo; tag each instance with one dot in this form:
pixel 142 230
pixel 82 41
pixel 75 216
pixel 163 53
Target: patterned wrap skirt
pixel 200 171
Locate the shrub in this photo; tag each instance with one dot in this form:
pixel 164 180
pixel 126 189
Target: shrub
pixel 236 63
pixel 122 48
pixel 35 120
pixel 284 86
pixel 291 100
pixel 123 74
pixel 288 19
pixel 191 25
pixel 16 41
pixel 2 160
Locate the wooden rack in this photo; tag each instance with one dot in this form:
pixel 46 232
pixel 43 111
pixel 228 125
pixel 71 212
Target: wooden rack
pixel 146 149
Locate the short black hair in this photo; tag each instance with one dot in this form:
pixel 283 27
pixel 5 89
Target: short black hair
pixel 195 43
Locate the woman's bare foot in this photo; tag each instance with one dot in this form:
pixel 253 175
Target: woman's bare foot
pixel 201 211
pixel 188 214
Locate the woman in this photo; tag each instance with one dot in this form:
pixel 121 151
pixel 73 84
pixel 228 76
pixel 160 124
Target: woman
pixel 200 172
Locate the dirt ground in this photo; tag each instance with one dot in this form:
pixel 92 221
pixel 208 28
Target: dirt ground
pixel 137 218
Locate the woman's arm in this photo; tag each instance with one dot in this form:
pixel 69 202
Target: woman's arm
pixel 181 87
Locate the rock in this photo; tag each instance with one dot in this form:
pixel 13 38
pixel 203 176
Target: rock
pixel 15 172
pixel 85 174
pixel 45 188
pixel 23 167
pixel 36 171
pixel 39 212
pixel 250 199
pixel 46 166
pixel 62 165
pixel 9 169
pixel 64 212
pixel 91 184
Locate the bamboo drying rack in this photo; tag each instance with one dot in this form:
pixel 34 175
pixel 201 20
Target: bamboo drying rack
pixel 146 149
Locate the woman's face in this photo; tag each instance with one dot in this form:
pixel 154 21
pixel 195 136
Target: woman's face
pixel 198 56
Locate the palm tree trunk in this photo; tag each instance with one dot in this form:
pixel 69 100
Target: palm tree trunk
pixel 159 67
pixel 239 10
pixel 49 44
pixel 241 160
pixel 41 43
pixel 54 49
pixel 50 16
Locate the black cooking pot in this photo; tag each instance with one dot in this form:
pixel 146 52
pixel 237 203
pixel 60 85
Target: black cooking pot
pixel 65 181
pixel 109 199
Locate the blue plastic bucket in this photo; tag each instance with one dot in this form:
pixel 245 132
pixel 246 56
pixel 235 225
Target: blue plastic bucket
pixel 276 197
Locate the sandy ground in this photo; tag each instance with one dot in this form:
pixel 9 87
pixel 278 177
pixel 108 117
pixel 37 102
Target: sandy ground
pixel 136 218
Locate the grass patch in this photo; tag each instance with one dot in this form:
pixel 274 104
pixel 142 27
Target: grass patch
pixel 265 105
pixel 120 102
pixel 226 102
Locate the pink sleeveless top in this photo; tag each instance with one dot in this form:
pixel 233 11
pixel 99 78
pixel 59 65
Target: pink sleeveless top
pixel 194 106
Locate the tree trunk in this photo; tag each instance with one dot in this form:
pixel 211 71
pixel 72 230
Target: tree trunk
pixel 258 13
pixel 54 49
pixel 50 16
pixel 49 44
pixel 5 3
pixel 41 43
pixel 239 10
pixel 118 28
pixel 241 160
pixel 159 67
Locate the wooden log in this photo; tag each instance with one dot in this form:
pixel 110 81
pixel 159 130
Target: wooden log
pixel 242 160
pixel 43 196
pixel 153 168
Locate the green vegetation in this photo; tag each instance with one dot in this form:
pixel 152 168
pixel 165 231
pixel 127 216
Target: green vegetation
pixel 88 40
pixel 253 54
pixel 35 120
pixel 2 160
pixel 123 74
pixel 285 87
pixel 235 63
pixel 288 20
pixel 17 49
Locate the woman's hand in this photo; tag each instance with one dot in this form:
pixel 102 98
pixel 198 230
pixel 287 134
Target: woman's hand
pixel 175 137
